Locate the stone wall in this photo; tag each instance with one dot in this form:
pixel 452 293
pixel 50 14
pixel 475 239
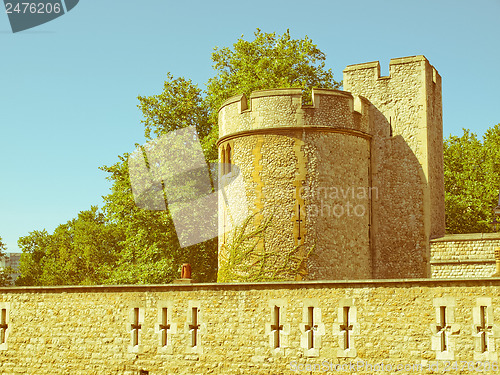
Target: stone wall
pixel 90 330
pixel 464 255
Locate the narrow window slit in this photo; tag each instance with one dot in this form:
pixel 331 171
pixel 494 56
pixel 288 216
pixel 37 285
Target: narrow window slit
pixel 345 327
pixel 3 326
pixel 194 326
pixel 164 326
pixel 299 221
pixel 310 327
pixel 442 328
pixel 276 327
pixel 228 160
pixel 482 329
pixel 223 161
pixel 136 327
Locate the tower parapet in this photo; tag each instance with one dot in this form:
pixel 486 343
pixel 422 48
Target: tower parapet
pixel 282 108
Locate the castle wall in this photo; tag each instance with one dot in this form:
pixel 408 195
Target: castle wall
pixel 407 162
pixel 88 330
pixel 309 168
pixel 464 255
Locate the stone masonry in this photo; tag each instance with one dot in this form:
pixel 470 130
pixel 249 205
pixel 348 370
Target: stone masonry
pixel 464 255
pixel 358 177
pixel 260 328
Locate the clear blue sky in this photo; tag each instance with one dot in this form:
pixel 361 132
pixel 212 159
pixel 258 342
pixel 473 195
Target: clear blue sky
pixel 68 88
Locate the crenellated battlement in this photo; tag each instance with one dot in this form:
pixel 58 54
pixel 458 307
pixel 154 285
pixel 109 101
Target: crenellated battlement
pixel 400 70
pixel 283 108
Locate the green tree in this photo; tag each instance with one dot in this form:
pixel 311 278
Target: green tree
pixel 472 180
pixel 151 252
pixel 82 251
pixel 179 105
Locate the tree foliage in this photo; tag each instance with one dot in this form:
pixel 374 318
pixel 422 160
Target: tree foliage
pixel 151 252
pixel 82 251
pixel 126 244
pixel 472 180
pixel 179 105
pixel 3 248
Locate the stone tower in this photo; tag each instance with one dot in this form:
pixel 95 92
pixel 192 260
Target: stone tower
pixel 356 179
pixel 407 160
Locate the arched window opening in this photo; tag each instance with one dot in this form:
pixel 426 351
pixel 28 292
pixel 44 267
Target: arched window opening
pixel 228 158
pixel 223 160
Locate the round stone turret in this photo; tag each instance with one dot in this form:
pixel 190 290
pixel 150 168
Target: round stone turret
pixel 304 175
